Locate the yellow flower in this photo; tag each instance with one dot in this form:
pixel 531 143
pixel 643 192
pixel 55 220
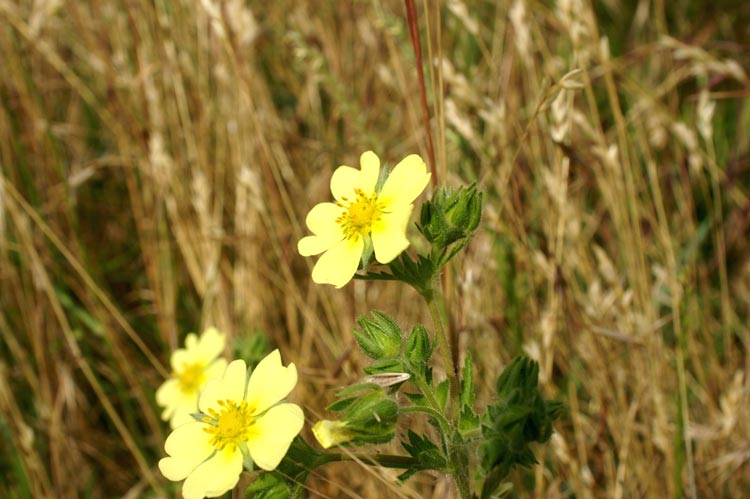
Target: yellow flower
pixel 329 433
pixel 241 418
pixel 192 367
pixel 362 217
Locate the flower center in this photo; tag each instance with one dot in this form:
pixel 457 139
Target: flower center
pixel 191 377
pixel 230 426
pixel 358 215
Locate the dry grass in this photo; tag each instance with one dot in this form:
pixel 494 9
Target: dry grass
pixel 158 159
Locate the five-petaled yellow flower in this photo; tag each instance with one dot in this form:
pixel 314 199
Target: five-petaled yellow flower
pixel 192 367
pixel 241 418
pixel 362 217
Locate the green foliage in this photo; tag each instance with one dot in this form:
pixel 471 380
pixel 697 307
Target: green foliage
pixel 468 420
pixel 269 486
pixel 467 383
pixel 518 417
pixel 288 479
pixel 380 337
pixel 370 417
pixel 450 217
pixel 418 350
pixel 441 393
pixel 426 454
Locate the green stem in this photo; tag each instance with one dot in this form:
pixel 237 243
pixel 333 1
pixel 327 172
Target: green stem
pixel 457 450
pixel 436 305
pixel 444 423
pixel 385 460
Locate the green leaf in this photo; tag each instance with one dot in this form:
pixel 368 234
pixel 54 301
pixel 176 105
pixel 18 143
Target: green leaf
pixel 469 420
pixel 289 478
pixel 467 383
pixel 518 417
pixel 441 393
pixel 384 366
pixel 426 453
pixel 268 486
pixel 417 274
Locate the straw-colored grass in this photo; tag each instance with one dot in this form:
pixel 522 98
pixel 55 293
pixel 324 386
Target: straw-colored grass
pixel 158 160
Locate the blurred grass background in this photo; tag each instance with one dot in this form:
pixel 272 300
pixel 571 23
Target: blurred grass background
pixel 158 160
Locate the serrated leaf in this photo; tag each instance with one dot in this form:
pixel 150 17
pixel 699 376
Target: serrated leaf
pixel 425 452
pixel 469 420
pixel 518 417
pixel 268 486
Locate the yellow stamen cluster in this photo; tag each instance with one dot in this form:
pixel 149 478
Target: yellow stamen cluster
pixel 358 215
pixel 191 376
pixel 230 426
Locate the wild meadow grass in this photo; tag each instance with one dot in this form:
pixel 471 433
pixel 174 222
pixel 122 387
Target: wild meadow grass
pixel 158 160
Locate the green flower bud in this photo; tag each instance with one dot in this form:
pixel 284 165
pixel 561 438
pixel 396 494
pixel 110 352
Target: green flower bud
pixel 380 337
pixel 451 215
pixel 418 347
pixel 365 419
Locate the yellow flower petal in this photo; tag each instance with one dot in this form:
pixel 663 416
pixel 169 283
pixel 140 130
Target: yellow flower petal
pixel 370 165
pixel 273 433
pixel 210 344
pixel 389 234
pixel 345 179
pixel 407 181
pixel 215 476
pixel 187 355
pixel 165 393
pixel 178 405
pixel 270 382
pixel 327 232
pixel 338 265
pixel 230 387
pixel 187 447
pixel 216 369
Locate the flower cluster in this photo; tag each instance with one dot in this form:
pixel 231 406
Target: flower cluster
pixel 224 422
pixel 225 418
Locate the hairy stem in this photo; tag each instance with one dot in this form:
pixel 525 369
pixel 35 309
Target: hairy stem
pixel 437 311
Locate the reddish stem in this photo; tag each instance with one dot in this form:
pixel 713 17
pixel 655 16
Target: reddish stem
pixel 411 16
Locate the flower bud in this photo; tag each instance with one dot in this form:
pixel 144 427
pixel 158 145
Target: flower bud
pixel 365 419
pixel 451 215
pixel 380 337
pixel 418 347
pixel 329 433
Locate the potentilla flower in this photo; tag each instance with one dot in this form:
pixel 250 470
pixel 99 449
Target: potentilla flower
pixel 192 367
pixel 363 218
pixel 240 418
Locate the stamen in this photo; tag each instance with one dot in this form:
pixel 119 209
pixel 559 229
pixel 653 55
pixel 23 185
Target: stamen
pixel 231 425
pixel 357 216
